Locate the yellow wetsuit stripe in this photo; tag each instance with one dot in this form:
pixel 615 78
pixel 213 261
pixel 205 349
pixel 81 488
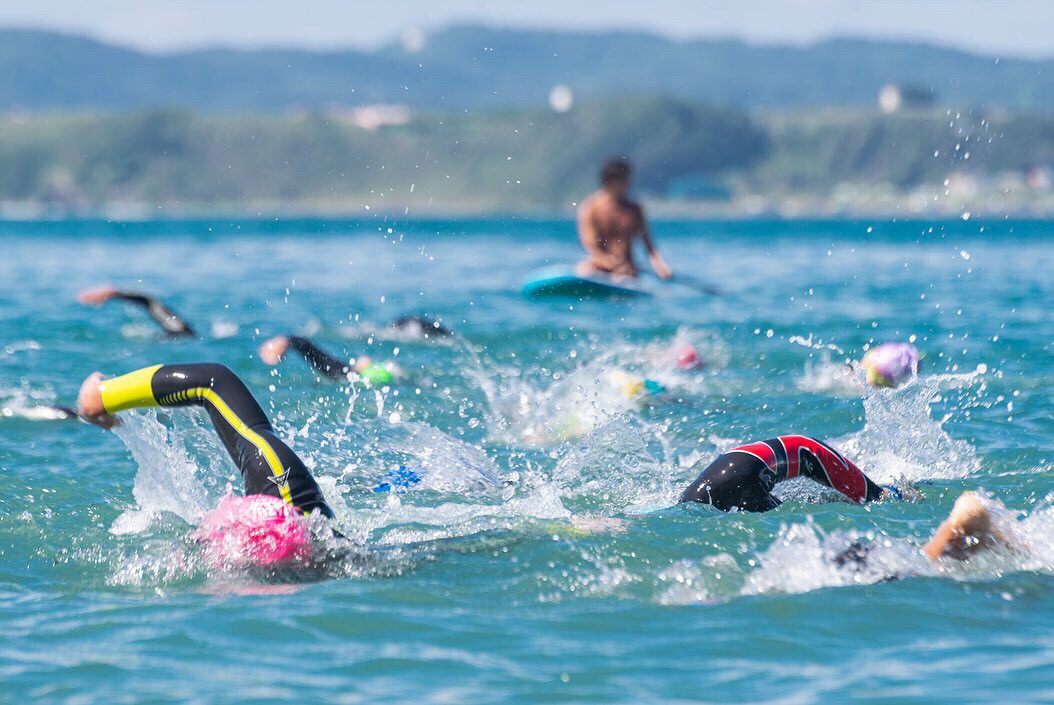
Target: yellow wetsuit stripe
pixel 277 470
pixel 134 390
pixel 129 391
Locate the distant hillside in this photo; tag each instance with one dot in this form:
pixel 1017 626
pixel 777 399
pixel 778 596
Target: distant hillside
pixel 534 159
pixel 473 67
pixel 531 159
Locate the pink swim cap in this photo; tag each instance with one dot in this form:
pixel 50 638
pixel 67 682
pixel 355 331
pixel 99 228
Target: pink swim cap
pixel 258 530
pixel 687 358
pixel 890 364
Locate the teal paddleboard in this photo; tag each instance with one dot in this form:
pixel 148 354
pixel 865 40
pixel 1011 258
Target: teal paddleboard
pixel 562 281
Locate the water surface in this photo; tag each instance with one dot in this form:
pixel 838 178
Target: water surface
pixel 481 586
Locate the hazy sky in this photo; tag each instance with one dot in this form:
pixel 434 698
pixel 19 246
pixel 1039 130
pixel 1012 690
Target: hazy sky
pixel 1007 27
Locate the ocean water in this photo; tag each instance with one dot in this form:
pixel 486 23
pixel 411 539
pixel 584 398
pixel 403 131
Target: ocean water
pixel 542 558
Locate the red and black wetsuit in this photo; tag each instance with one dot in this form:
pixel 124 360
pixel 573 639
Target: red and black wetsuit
pixel 744 477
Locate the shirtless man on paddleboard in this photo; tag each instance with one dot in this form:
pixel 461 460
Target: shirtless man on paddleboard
pixel 609 223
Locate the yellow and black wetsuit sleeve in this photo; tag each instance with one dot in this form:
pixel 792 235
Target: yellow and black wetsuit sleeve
pixel 268 466
pixel 319 359
pixel 165 317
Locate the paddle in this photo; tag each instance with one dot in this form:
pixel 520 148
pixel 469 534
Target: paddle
pixel 693 283
pixel 698 284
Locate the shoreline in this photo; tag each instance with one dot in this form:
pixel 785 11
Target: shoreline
pixel 791 210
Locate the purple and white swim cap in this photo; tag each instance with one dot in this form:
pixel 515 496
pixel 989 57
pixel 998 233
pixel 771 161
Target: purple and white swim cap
pixel 891 364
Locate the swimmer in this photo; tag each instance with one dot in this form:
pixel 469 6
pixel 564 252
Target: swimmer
pixel 274 350
pixel 422 326
pixel 687 358
pixel 891 364
pixel 267 524
pixel 609 223
pixel 44 412
pixel 969 529
pixel 632 387
pixel 172 325
pixel 682 356
pixel 743 478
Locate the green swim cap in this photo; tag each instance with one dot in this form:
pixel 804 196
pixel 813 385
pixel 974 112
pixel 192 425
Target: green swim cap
pixel 377 375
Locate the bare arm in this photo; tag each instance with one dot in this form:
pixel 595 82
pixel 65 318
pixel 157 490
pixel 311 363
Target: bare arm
pixel 657 262
pixel 967 529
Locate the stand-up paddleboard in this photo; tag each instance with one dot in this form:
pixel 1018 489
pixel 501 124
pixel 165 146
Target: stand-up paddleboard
pixel 563 281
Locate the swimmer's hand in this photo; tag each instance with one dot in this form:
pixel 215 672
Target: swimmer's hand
pixel 97 296
pixel 659 265
pixel 89 402
pixel 891 492
pixel 274 349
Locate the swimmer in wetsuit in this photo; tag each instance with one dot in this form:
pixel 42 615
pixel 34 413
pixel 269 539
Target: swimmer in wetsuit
pixel 172 325
pixel 422 326
pixel 273 351
pixel 267 465
pixel 744 477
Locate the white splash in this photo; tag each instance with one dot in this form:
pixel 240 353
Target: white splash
pixel 901 441
pixel 167 477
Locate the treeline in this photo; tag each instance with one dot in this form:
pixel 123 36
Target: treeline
pixel 493 161
pixel 533 159
pixel 818 152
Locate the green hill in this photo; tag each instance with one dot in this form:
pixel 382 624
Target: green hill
pixel 474 67
pixel 498 160
pixel 511 159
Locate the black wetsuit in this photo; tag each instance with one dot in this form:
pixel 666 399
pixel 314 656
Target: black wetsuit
pixel 322 362
pixel 425 325
pixel 744 477
pixel 172 324
pixel 334 368
pixel 268 466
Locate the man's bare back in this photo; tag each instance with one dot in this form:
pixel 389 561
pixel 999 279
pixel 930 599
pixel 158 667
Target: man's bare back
pixel 614 223
pixel 609 223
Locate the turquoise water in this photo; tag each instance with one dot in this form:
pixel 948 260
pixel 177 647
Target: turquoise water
pixel 486 584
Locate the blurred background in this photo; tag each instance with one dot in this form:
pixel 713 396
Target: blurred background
pixel 770 107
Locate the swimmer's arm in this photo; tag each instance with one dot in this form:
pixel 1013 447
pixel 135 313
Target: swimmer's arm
pixel 940 541
pixel 654 256
pixel 845 477
pixel 319 359
pixel 967 529
pixel 99 400
pixel 164 316
pixel 873 492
